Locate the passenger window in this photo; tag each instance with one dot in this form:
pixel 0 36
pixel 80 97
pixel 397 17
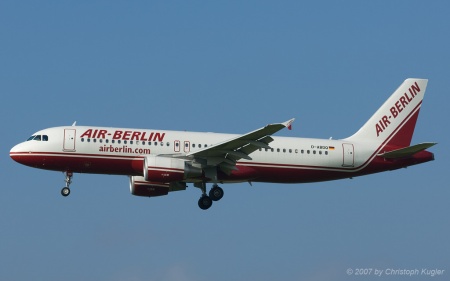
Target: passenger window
pixel 320 152
pixel 107 140
pixel 113 141
pixel 326 152
pixel 284 149
pixel 307 151
pixel 167 143
pixel 118 141
pixel 82 139
pixel 193 145
pixel 290 150
pixel 131 142
pixel 199 146
pixel 278 150
pixel 124 142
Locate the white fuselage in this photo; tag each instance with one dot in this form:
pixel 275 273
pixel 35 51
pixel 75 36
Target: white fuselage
pixel 121 151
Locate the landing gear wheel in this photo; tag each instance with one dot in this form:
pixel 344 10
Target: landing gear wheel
pixel 205 202
pixel 216 193
pixel 65 191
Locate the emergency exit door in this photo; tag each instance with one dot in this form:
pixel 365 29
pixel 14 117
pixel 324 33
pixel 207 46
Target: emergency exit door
pixel 349 155
pixel 69 140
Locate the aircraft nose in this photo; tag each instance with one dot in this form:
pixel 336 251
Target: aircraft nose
pixel 12 153
pixel 15 152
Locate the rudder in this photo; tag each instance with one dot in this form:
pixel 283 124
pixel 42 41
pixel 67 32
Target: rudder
pixel 394 122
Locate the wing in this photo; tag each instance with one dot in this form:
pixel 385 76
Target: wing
pixel 226 154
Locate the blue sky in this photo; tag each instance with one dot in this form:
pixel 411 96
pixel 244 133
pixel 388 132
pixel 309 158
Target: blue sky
pixel 232 67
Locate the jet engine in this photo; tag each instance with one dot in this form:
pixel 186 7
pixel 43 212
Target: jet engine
pixel 140 187
pixel 166 169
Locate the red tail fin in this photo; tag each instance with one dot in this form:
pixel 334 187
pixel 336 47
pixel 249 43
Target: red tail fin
pixel 394 122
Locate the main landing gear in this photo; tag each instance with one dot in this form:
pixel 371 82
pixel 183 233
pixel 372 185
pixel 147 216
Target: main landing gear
pixel 65 191
pixel 215 194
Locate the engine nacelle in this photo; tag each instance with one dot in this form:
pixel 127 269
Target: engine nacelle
pixel 140 187
pixel 167 169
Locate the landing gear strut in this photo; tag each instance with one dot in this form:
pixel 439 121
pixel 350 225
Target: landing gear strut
pixel 215 194
pixel 65 191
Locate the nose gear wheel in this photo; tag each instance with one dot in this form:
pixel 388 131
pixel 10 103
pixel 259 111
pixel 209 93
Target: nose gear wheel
pixel 65 191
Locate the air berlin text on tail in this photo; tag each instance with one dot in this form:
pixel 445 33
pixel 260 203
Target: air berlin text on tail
pixel 397 108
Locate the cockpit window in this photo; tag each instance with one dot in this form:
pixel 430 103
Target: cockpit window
pixel 38 138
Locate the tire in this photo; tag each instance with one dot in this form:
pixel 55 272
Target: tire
pixel 65 191
pixel 216 193
pixel 205 202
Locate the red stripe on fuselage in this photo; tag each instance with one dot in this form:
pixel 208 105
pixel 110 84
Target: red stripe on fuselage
pixel 82 163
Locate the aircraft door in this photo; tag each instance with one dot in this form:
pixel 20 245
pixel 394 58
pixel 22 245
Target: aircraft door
pixel 176 146
pixel 349 155
pixel 187 146
pixel 69 140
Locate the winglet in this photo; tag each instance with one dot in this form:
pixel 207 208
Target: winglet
pixel 288 124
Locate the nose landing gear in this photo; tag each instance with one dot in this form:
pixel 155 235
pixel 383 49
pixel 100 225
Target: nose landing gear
pixel 65 191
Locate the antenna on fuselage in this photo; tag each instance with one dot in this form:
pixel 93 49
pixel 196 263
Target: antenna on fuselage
pixel 74 123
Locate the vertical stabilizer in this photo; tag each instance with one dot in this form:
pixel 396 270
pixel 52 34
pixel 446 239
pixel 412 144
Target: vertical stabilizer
pixel 394 122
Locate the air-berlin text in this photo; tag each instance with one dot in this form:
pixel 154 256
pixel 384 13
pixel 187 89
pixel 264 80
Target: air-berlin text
pixel 397 108
pixel 123 135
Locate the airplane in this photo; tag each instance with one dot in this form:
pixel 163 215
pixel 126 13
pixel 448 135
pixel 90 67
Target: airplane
pixel 159 161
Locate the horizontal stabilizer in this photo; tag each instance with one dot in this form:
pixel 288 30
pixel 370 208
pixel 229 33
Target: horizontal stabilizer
pixel 407 151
